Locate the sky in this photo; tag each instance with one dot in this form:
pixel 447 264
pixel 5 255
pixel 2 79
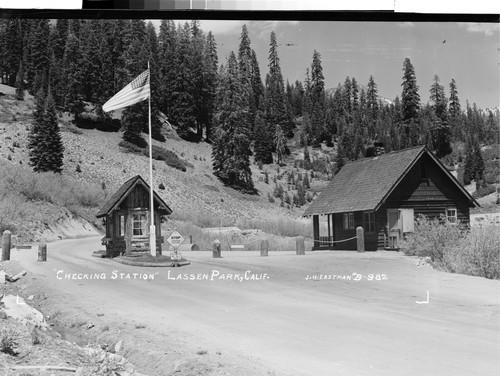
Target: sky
pixel 466 52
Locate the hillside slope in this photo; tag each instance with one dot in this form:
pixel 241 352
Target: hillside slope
pixel 95 159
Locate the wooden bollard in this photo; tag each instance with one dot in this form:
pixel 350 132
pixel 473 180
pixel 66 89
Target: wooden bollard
pixel 301 249
pixel 216 249
pixel 264 248
pixel 6 243
pixel 360 234
pixel 42 252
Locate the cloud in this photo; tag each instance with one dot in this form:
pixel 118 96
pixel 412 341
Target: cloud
pixel 486 28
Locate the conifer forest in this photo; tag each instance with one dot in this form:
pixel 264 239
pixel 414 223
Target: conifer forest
pixel 248 116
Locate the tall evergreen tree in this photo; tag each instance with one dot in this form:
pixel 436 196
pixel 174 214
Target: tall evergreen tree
pixel 20 82
pixel 73 99
pixel 372 105
pixel 231 145
pixel 318 98
pixel 182 106
pixel 276 112
pixel 46 149
pixel 280 144
pixel 53 155
pixel 262 140
pixel 196 60
pixel 410 104
pixel 210 65
pixel 35 134
pixel 440 132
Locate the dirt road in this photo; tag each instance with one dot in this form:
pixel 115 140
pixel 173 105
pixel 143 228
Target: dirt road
pixel 337 313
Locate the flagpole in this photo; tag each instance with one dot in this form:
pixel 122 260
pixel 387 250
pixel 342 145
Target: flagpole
pixel 152 228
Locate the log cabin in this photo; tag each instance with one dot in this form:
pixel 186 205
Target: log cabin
pixel 127 217
pixel 384 194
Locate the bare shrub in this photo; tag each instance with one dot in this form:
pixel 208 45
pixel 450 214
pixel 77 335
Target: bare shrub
pixel 478 254
pixel 431 238
pixel 455 248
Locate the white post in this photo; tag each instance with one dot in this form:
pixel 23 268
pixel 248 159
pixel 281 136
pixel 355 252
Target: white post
pixel 152 229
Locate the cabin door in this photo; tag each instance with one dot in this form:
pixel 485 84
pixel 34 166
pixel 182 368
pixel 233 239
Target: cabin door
pixel 394 227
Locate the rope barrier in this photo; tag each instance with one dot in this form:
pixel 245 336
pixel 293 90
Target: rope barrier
pixel 334 241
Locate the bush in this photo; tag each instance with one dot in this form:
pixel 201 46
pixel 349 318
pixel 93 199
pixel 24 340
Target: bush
pixel 92 121
pixel 170 158
pixel 456 248
pixel 9 341
pixel 130 147
pixel 478 254
pixel 431 238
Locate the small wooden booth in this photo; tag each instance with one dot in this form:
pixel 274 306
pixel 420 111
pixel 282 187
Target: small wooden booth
pixel 127 217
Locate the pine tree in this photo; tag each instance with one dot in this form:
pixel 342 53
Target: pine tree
pixel 317 113
pixel 197 70
pixel 12 50
pixel 355 95
pixel 210 63
pixel 455 111
pixel 54 153
pixel 35 134
pixel 454 107
pixel 45 145
pixel 440 132
pixel 469 172
pixel 231 145
pixel 372 105
pixel 20 82
pixel 410 104
pixel 182 106
pixel 280 144
pixel 263 143
pixel 478 163
pixel 276 112
pixel 73 99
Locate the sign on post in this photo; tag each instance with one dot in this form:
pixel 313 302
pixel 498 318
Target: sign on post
pixel 175 240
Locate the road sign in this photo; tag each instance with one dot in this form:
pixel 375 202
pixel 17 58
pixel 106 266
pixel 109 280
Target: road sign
pixel 175 239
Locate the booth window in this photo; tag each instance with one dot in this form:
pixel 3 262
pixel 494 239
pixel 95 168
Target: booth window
pixel 139 222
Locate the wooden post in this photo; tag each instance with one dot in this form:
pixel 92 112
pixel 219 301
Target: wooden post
pixel 216 249
pixel 360 233
pixel 158 234
pixel 316 231
pixel 6 243
pixel 190 239
pixel 301 250
pixel 128 233
pixel 42 252
pixel 264 248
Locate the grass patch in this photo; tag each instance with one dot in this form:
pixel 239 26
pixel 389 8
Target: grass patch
pixel 22 190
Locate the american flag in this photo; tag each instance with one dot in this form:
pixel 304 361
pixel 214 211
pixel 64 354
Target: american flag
pixel 136 91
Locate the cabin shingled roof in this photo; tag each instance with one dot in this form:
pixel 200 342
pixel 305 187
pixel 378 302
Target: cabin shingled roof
pixel 121 192
pixel 362 184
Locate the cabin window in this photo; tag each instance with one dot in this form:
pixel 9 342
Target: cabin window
pixel 451 215
pixel 348 221
pixel 121 224
pixel 369 221
pixel 139 222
